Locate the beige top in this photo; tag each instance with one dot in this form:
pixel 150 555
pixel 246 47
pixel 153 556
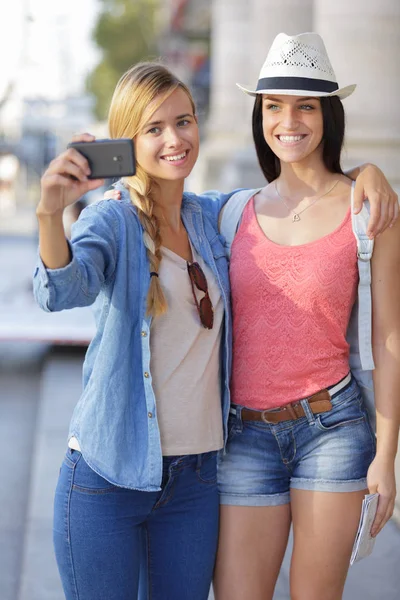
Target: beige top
pixel 185 363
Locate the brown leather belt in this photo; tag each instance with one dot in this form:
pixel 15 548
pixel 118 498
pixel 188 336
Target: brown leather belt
pixel 318 403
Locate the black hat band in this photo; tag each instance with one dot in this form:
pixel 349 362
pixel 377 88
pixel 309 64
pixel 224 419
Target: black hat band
pixel 296 83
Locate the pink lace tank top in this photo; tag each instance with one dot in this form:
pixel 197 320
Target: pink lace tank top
pixel 291 309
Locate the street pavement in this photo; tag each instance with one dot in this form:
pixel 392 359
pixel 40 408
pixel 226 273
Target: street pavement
pixel 19 401
pixel 20 316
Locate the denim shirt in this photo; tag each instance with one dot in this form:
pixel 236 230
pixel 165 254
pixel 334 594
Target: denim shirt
pixel 115 419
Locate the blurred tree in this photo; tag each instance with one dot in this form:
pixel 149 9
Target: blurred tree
pixel 126 33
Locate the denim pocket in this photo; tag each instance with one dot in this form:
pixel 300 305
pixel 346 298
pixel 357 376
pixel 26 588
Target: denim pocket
pixel 88 481
pixel 207 473
pixel 71 458
pixel 341 415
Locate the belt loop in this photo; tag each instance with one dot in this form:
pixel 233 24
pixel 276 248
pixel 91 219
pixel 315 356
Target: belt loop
pixel 199 462
pixel 309 414
pixel 238 418
pixel 237 413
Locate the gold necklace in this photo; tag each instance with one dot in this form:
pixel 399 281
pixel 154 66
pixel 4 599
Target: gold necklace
pixel 296 215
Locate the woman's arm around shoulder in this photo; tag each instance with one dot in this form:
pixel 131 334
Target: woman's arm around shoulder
pixel 372 184
pixel 212 202
pixel 386 350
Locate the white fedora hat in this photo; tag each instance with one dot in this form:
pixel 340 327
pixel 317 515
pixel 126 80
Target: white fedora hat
pixel 298 65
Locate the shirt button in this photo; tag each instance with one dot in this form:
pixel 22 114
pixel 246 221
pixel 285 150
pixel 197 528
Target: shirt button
pixel 144 334
pixel 146 374
pixel 150 415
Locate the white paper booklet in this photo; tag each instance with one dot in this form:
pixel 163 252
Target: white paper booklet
pixel 364 543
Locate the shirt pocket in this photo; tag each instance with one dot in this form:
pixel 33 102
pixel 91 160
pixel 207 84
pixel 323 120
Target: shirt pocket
pixel 217 245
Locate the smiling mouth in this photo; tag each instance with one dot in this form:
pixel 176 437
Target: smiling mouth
pixel 176 157
pixel 291 139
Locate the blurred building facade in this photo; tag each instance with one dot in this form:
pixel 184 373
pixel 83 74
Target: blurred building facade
pixel 32 132
pixel 41 104
pixel 184 44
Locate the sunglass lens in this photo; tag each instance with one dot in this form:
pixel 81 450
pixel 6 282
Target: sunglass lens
pixel 206 312
pixel 198 276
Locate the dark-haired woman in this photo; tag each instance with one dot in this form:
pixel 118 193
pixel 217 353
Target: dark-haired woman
pixel 300 448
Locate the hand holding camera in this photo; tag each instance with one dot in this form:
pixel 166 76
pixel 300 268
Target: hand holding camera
pixel 82 168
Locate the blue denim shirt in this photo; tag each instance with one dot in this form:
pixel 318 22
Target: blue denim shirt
pixel 115 420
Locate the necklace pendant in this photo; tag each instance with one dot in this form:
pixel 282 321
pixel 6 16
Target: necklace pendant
pixel 295 217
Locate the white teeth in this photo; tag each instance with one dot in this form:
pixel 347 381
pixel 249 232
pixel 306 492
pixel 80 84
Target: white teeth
pixel 177 157
pixel 290 138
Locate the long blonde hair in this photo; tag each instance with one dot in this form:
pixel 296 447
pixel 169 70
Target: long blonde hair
pixel 137 88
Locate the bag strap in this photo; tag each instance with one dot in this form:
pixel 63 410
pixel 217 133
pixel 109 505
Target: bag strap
pixel 365 247
pixel 232 215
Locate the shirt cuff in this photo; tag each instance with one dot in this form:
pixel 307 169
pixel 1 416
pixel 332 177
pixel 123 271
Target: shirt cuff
pixel 62 276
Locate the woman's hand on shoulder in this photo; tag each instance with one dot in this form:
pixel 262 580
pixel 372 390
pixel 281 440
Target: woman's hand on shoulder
pixel 112 195
pixel 66 180
pixel 372 184
pixel 381 479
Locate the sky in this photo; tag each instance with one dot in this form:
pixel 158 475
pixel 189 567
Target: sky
pixel 45 46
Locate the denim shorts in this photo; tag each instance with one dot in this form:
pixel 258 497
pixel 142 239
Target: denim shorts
pixel 328 452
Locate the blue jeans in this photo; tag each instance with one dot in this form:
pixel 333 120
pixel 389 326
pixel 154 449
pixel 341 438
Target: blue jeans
pixel 112 543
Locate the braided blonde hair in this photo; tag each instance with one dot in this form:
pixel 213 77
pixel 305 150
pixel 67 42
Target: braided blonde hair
pixel 136 90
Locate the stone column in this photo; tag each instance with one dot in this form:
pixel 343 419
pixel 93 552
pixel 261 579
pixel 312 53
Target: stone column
pixel 228 122
pixel 242 32
pixel 270 18
pixel 231 47
pixel 363 40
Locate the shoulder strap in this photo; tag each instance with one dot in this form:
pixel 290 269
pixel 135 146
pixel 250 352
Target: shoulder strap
pixel 365 247
pixel 232 214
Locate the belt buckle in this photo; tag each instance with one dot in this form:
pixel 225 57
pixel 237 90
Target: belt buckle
pixel 263 417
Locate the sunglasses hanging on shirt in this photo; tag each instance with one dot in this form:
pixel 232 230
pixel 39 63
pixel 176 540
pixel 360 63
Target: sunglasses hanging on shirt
pixel 204 307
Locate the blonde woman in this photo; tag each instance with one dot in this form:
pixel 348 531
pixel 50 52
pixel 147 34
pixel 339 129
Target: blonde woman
pixel 137 492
